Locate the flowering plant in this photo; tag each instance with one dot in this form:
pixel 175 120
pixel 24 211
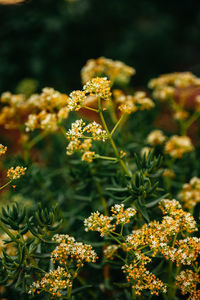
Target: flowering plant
pixel 120 176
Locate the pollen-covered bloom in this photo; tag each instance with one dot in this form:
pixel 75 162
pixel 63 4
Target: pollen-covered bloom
pixel 176 146
pixel 188 281
pixel 53 282
pixel 3 149
pixel 68 249
pixel 190 193
pixel 156 137
pixel 122 215
pixel 99 86
pixel 114 69
pixel 99 222
pixel 15 173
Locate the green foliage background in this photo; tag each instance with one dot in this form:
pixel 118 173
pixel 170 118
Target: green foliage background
pixel 50 40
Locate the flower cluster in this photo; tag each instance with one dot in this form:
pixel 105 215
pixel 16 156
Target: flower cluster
pixel 105 224
pixel 141 278
pixel 187 281
pixel 50 109
pixel 78 131
pixel 69 254
pixel 177 218
pixel 190 193
pixel 79 128
pixel 35 111
pixel 158 235
pixel 122 215
pixel 69 249
pixel 99 222
pixel 94 88
pixel 15 173
pixel 176 146
pixel 76 100
pixel 156 137
pixel 3 149
pixel 165 86
pixel 132 103
pixel 115 70
pixel 53 282
pixel 99 86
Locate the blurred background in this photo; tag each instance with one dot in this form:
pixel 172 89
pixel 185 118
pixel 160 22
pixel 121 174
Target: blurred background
pixel 49 41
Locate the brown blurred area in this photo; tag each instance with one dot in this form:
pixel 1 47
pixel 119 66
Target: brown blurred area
pixel 7 2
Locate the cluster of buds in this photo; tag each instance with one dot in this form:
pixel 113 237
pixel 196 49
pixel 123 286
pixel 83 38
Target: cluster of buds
pixel 105 224
pixel 177 219
pixel 165 86
pixel 69 254
pixel 116 71
pixel 122 215
pixel 99 86
pixel 176 146
pixel 79 128
pixel 3 149
pixel 15 173
pixel 141 279
pixel 53 282
pixel 132 103
pixel 93 131
pixel 190 193
pixel 158 235
pixel 187 281
pixel 95 88
pixel 69 249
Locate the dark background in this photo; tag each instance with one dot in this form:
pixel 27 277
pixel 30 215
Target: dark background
pixel 50 40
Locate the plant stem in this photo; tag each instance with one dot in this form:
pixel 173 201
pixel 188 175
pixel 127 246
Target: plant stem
pixel 111 140
pixel 170 279
pixel 117 124
pixel 91 108
pixel 6 184
pixel 105 157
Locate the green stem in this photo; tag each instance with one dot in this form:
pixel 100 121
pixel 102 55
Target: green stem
pixel 105 157
pixel 117 124
pixel 90 108
pixel 170 278
pixel 6 184
pixel 36 139
pixel 69 292
pixel 111 140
